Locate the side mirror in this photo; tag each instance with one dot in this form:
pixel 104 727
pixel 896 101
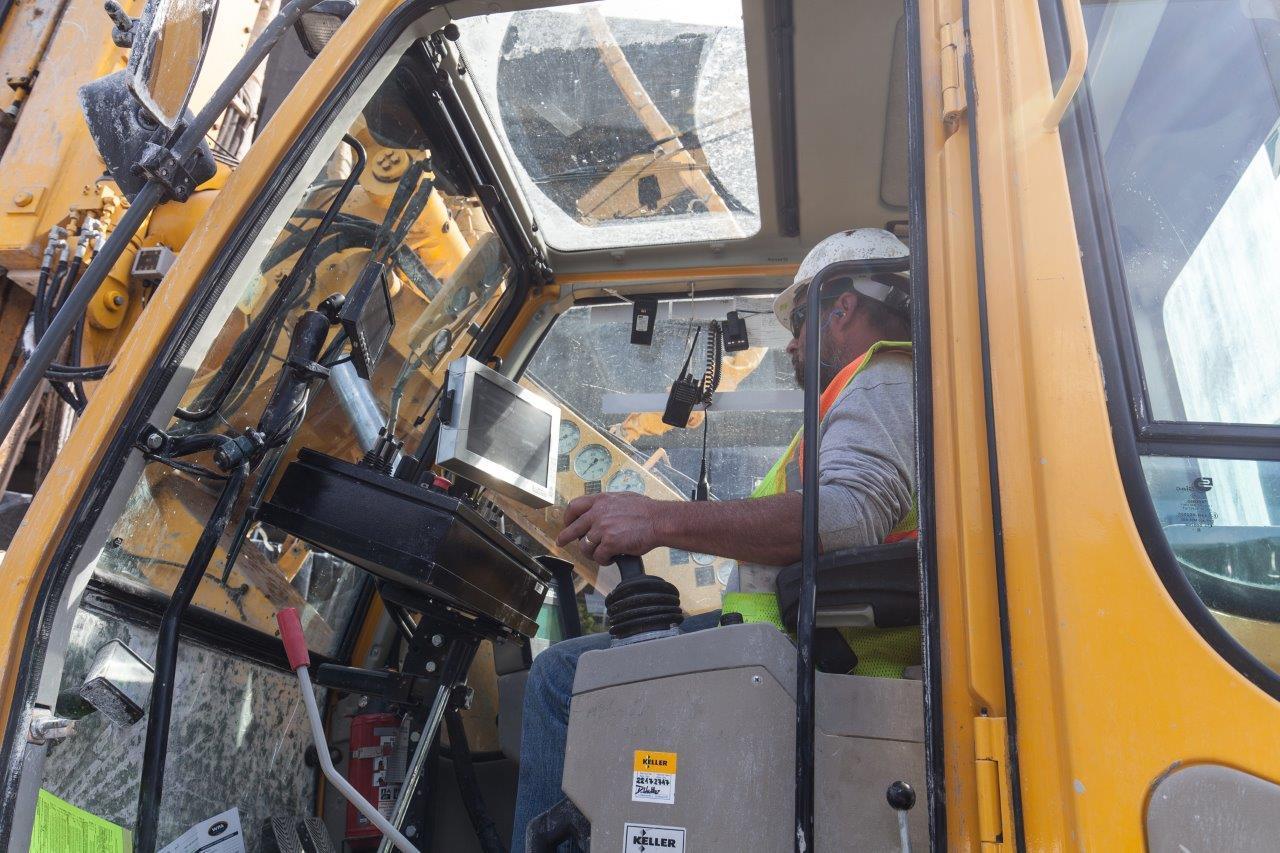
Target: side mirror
pixel 318 24
pixel 169 44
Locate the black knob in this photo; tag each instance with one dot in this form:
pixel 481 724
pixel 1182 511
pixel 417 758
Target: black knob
pixel 731 619
pixel 901 796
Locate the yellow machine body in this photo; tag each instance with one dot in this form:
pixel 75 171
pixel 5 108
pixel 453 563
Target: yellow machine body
pixel 1070 680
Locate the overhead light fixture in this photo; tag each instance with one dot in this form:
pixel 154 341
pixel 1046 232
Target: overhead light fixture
pixel 318 24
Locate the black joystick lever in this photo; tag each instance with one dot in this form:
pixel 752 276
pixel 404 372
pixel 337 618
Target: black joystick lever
pixel 641 607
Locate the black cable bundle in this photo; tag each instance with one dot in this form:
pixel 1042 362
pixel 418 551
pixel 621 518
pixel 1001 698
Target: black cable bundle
pixel 711 375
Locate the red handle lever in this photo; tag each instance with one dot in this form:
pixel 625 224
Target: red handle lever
pixel 295 644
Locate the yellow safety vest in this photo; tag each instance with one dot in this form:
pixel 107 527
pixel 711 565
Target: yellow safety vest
pixel 882 652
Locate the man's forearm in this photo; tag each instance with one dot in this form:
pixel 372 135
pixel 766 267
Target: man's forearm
pixel 759 530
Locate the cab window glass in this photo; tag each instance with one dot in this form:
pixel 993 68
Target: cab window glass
pixel 373 184
pixel 628 121
pixel 242 729
pixel 1190 147
pixel 612 394
pixel 1222 517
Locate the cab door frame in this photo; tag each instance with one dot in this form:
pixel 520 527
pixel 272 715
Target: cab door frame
pixel 972 752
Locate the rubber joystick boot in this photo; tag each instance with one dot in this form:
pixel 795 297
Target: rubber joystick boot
pixel 641 607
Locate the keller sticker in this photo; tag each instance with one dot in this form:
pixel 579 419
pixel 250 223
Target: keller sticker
pixel 654 778
pixel 642 838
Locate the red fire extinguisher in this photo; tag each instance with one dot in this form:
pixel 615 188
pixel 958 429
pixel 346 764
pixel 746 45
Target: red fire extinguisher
pixel 376 770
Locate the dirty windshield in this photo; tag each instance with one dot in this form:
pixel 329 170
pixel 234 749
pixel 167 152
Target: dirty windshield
pixel 374 203
pixel 613 437
pixel 629 123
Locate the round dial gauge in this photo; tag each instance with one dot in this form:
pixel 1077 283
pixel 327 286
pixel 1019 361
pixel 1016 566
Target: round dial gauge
pixel 570 435
pixel 703 559
pixel 626 480
pixel 593 462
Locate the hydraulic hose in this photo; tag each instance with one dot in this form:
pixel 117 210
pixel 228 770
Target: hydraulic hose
pixel 280 299
pixel 28 380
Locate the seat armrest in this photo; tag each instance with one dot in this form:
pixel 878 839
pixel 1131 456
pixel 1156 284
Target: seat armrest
pixel 875 584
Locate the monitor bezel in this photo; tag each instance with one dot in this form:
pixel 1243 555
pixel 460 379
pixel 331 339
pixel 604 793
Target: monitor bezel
pixel 454 455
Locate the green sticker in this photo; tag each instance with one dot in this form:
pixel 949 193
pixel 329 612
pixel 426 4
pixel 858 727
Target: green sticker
pixel 63 828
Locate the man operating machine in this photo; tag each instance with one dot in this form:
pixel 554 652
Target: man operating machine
pixel 867 482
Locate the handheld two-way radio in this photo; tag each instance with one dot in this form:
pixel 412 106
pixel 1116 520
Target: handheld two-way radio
pixel 686 392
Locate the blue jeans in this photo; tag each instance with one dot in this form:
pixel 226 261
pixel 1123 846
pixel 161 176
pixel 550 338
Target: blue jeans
pixel 545 724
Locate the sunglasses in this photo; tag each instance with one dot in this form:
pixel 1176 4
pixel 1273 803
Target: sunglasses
pixel 835 288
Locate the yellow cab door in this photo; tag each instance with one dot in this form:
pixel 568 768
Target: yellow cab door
pixel 1120 335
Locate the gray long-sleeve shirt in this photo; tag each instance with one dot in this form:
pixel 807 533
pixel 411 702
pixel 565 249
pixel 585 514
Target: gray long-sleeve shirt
pixel 866 464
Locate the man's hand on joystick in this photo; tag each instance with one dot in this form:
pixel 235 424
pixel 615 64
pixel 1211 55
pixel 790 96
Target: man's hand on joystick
pixel 614 523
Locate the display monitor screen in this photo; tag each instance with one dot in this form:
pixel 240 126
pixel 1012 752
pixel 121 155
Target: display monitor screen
pixel 368 319
pixel 509 431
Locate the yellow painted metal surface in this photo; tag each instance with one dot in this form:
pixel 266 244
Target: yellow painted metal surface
pixel 970 647
pixel 1113 685
pixel 50 157
pixel 51 169
pixel 991 780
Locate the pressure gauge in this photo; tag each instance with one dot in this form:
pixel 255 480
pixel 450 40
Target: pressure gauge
pixel 626 480
pixel 593 462
pixel 703 559
pixel 570 435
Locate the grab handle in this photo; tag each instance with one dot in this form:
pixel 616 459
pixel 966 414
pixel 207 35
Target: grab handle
pixel 1079 40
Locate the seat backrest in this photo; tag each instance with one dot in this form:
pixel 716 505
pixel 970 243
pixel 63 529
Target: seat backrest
pixel 859 587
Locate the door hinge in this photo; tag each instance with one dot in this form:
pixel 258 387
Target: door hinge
pixel 991 754
pixel 954 100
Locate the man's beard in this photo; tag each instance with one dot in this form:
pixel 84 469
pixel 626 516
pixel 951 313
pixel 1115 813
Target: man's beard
pixel 826 371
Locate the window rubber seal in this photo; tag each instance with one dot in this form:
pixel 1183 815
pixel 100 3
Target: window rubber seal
pixel 993 459
pixel 782 89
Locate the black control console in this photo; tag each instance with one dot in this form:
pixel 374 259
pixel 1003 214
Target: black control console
pixel 426 543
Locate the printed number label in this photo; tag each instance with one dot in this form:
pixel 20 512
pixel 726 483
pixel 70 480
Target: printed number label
pixel 643 838
pixel 653 777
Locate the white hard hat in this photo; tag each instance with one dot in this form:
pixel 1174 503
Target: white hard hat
pixel 858 244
